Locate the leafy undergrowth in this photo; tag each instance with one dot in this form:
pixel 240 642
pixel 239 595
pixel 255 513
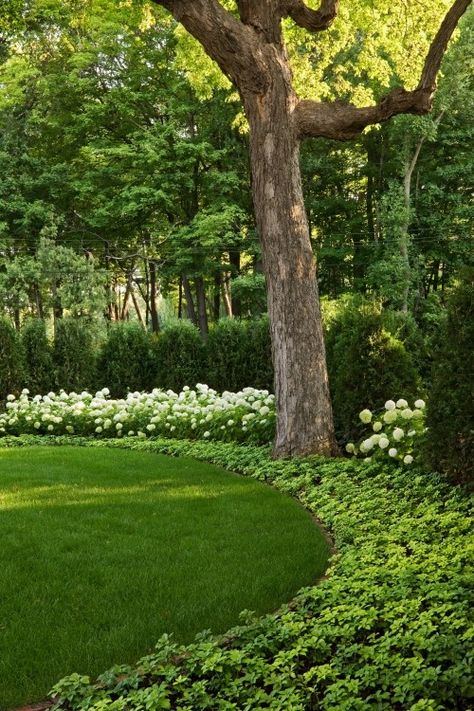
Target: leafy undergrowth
pixel 390 628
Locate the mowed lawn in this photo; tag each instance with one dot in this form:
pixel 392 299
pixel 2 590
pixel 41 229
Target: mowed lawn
pixel 104 550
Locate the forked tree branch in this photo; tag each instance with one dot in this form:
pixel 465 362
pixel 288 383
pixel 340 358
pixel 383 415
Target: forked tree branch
pixel 344 121
pixel 312 20
pixel 224 38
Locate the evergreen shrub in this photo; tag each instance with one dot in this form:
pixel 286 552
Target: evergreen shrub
pixel 366 365
pixel 179 356
pixel 125 362
pixel 73 355
pixel 260 365
pixel 11 360
pixel 39 373
pixel 450 410
pixel 239 355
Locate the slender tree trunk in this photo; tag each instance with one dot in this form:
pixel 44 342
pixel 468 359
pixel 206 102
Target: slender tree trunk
pixel 38 302
pixel 191 311
pixel 298 350
pixel 217 296
pixel 180 298
pixel 436 267
pixel 155 323
pixel 137 308
pixel 126 297
pixel 410 165
pixel 201 301
pixel 234 258
pixel 226 296
pixel 146 292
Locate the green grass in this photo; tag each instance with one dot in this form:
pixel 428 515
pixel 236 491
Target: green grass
pixel 102 551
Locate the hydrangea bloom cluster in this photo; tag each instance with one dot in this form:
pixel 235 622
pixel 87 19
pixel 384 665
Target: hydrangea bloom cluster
pixel 247 416
pixel 395 431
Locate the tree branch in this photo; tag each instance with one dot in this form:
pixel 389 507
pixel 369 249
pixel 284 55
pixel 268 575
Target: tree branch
pixel 224 38
pixel 343 121
pixel 312 20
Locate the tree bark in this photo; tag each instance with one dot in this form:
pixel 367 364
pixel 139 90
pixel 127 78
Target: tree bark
pixel 305 421
pixel 216 306
pixel 201 302
pixel 226 296
pixel 137 308
pixel 191 311
pixel 155 323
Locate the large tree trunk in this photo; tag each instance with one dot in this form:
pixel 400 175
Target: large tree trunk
pixel 298 350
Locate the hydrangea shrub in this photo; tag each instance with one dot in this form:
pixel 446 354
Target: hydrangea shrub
pixel 200 413
pixel 395 432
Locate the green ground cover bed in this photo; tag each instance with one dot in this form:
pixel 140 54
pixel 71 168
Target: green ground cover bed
pixel 103 551
pixel 389 628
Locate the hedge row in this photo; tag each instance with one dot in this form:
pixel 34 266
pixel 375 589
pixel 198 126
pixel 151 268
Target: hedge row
pixel 236 355
pixel 389 628
pixel 367 365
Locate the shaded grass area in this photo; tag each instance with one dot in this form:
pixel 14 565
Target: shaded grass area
pixel 102 551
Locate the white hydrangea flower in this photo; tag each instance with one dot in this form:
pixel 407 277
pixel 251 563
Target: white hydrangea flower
pixel 390 416
pixel 408 459
pixel 407 414
pixel 11 397
pixel 350 447
pixel 383 442
pixel 377 426
pixel 365 416
pixel 401 403
pixel 206 434
pixel 392 452
pixel 366 445
pixel 420 404
pixel 398 434
pixel 390 405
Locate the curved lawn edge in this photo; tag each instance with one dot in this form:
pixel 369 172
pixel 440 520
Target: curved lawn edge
pixel 389 628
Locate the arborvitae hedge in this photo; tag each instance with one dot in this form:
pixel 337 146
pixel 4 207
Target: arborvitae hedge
pixel 179 355
pixel 239 355
pixel 367 366
pixel 73 355
pixel 39 374
pixel 11 360
pixel 450 410
pixel 125 361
